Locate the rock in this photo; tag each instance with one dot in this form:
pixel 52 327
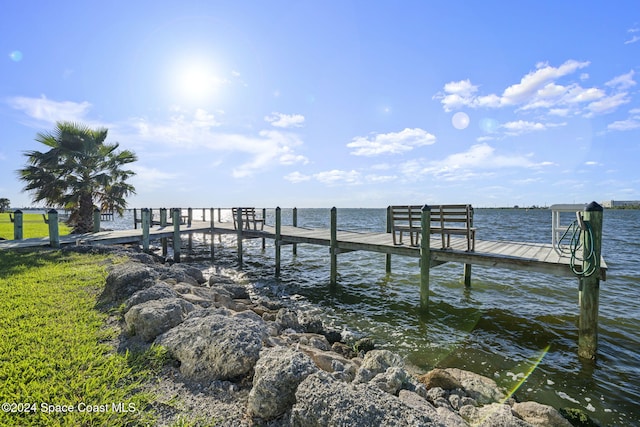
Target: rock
pixel 577 417
pixel 125 279
pixel 310 323
pixel 484 390
pixel 277 375
pixel 540 415
pixel 288 319
pixel 331 362
pixel 364 345
pixel 324 401
pixel 446 418
pixel 179 273
pixel 189 270
pixel 332 336
pixel 151 318
pixel 376 362
pixel 158 291
pixel 391 380
pixel 497 415
pixel 439 378
pixel 343 350
pixel 213 345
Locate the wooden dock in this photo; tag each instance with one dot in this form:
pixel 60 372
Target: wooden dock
pixel 538 257
pixel 535 257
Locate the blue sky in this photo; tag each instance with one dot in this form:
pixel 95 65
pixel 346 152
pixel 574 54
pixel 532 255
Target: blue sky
pixel 334 103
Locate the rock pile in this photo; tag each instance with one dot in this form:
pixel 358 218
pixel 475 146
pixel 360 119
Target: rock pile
pixel 296 372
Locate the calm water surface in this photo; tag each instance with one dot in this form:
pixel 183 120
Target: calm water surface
pixel 499 328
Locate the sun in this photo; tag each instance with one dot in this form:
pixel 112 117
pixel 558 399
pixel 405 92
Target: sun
pixel 196 81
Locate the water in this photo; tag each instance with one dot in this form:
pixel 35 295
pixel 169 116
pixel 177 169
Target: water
pixel 501 327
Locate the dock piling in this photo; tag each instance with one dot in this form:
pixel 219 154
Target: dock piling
pixel 175 216
pixel 163 223
pixel 146 220
pixel 387 267
pixel 264 218
pixel 18 228
pixel 333 247
pixel 295 224
pixel 278 239
pixel 425 256
pixel 54 233
pixel 589 290
pixel 239 235
pixel 212 228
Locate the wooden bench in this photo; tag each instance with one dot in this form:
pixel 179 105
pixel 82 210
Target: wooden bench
pixel 445 220
pixel 249 217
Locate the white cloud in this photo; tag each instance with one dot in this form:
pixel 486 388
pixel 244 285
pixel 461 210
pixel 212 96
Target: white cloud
pixel 151 178
pixel 391 143
pixel 623 81
pixel 285 120
pixel 633 122
pixel 526 90
pixel 607 105
pixel 479 159
pixel 335 177
pixel 51 111
pixel 540 90
pixel 521 126
pixel 296 177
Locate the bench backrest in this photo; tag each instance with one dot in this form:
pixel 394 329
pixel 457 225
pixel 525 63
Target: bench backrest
pixel 442 216
pixel 247 215
pixel 452 216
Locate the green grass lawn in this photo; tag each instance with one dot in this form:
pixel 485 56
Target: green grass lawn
pixel 55 351
pixel 32 226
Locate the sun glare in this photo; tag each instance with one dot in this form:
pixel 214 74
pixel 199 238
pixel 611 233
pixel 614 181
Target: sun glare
pixel 196 82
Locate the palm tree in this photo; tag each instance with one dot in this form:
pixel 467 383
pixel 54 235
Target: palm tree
pixel 79 171
pixel 4 204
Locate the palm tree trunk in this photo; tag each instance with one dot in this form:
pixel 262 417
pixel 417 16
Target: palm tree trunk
pixel 85 214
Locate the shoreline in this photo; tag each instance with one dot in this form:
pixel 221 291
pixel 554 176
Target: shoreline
pixel 214 392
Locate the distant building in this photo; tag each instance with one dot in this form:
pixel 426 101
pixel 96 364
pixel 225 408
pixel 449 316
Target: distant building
pixel 620 203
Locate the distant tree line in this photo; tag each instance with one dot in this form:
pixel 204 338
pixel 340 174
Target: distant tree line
pixel 4 204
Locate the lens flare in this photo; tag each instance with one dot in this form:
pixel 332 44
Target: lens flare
pixel 16 56
pixel 460 120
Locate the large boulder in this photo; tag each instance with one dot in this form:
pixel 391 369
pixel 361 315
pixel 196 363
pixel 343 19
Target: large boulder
pixel 324 401
pixel 277 375
pixel 151 318
pixel 156 292
pixel 493 415
pixel 484 390
pixel 125 279
pixel 540 415
pixel 214 344
pixel 181 273
pixel 376 362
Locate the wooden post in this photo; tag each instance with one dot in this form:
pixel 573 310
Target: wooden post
pixel 135 218
pixel 295 224
pixel 425 256
pixel 264 217
pixel 163 223
pixel 467 275
pixel 96 219
pixel 146 220
pixel 175 213
pixel 589 290
pixel 219 214
pixel 204 214
pixel 212 227
pixel 387 267
pixel 278 239
pixel 467 267
pixel 190 235
pixel 189 216
pixel 333 248
pixel 239 234
pixel 18 229
pixel 54 234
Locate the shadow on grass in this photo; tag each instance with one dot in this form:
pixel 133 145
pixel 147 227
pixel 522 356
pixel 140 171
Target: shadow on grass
pixel 17 260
